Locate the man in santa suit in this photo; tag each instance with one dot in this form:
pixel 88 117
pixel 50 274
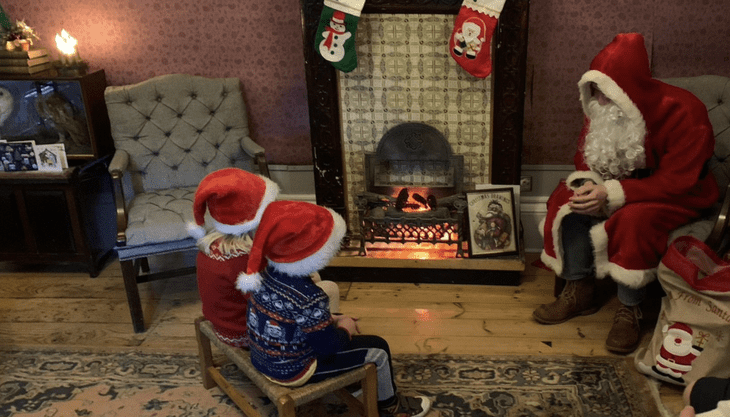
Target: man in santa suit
pixel 641 171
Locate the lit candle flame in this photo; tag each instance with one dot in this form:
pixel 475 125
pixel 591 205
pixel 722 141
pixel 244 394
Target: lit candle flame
pixel 66 43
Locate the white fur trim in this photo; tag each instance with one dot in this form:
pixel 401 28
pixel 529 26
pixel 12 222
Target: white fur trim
pixel 616 197
pixel 551 263
pixel 198 232
pixel 351 7
pixel 270 194
pixel 249 283
pixel 319 259
pixel 556 264
pixel 576 176
pixel 609 87
pixel 488 7
pixel 604 268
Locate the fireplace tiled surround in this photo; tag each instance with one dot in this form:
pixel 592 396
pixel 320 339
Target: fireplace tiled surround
pixel 405 74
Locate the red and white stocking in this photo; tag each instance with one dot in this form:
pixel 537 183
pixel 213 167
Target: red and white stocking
pixel 471 40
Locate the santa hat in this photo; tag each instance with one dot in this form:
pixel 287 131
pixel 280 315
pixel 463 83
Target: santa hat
pixel 296 238
pixel 679 329
pixel 236 200
pixel 338 17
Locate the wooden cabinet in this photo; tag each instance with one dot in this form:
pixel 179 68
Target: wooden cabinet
pixel 68 216
pixel 58 217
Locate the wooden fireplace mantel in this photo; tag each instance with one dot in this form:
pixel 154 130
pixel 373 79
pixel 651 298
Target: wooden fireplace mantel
pixel 509 62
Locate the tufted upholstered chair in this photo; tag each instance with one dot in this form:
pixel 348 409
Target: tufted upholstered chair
pixel 712 227
pixel 714 91
pixel 170 132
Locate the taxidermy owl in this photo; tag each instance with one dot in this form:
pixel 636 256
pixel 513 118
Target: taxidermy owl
pixel 6 104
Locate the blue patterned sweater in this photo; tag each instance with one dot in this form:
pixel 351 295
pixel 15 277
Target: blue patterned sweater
pixel 289 326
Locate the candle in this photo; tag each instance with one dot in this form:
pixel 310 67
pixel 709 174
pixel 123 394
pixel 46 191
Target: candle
pixel 66 44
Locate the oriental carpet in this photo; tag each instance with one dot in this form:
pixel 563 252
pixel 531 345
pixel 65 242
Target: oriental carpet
pixel 69 384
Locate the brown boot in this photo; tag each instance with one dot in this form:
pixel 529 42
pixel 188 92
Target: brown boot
pixel 575 300
pixel 624 336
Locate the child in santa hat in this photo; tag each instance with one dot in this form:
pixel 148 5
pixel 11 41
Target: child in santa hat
pixel 235 201
pixel 292 336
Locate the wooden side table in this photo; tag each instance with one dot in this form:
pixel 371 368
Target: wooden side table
pixel 51 217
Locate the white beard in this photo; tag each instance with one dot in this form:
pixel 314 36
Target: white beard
pixel 614 145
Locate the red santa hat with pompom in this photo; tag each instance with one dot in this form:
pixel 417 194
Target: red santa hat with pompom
pixel 236 200
pixel 296 238
pixel 678 329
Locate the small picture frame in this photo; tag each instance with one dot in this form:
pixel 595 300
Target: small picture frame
pixel 51 157
pixel 492 222
pixel 18 156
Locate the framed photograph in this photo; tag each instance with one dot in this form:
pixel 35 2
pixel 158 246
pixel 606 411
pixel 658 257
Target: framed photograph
pixel 18 156
pixel 492 222
pixel 51 157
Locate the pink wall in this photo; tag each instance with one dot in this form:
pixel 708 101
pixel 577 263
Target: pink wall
pixel 684 38
pixel 132 40
pixel 261 43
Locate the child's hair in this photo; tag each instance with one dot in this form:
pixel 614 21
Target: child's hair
pixel 227 244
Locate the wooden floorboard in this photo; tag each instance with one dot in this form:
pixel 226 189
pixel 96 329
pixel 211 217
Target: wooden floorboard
pixel 62 307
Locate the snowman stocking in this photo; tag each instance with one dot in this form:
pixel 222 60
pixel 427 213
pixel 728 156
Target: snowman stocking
pixel 471 40
pixel 335 38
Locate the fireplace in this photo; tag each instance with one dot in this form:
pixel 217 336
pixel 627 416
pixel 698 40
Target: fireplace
pixel 414 190
pixel 349 114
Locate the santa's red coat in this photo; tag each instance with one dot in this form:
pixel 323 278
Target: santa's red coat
pixel 629 244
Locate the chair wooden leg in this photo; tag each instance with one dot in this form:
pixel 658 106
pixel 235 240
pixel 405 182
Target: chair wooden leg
pixel 145 265
pixel 370 391
pixel 286 407
pixel 205 354
pixel 129 274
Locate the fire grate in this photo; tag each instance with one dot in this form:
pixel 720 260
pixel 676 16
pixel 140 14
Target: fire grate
pixel 412 156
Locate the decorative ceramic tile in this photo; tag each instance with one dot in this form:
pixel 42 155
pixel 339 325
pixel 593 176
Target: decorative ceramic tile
pixel 406 74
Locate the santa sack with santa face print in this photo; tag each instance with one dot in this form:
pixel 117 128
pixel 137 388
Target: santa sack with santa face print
pixel 692 335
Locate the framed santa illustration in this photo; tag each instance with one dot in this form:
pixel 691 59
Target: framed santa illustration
pixel 492 222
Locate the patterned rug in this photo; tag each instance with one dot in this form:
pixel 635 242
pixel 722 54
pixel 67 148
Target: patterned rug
pixel 61 384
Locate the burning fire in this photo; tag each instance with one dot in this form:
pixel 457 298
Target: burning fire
pixel 412 200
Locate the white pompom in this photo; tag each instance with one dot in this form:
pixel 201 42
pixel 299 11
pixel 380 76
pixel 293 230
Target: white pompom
pixel 248 283
pixel 198 232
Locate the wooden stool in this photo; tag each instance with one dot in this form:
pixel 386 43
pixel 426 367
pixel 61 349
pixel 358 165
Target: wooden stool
pixel 286 399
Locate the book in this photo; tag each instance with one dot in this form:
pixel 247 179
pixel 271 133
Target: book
pixel 25 69
pixel 33 53
pixel 22 62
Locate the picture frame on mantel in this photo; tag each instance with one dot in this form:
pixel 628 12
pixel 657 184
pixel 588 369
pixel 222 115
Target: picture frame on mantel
pixel 508 75
pixel 492 220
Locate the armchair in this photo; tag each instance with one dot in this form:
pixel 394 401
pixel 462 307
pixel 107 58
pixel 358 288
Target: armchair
pixel 714 91
pixel 170 132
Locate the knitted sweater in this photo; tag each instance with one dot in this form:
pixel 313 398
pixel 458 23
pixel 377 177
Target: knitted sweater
pixel 289 326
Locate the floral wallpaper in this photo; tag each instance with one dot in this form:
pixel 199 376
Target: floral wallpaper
pixel 261 44
pixel 133 40
pixel 682 38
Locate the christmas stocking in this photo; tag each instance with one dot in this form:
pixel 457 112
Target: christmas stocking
pixel 471 40
pixel 335 38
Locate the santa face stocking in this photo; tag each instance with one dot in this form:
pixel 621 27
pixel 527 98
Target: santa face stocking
pixel 335 39
pixel 471 40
